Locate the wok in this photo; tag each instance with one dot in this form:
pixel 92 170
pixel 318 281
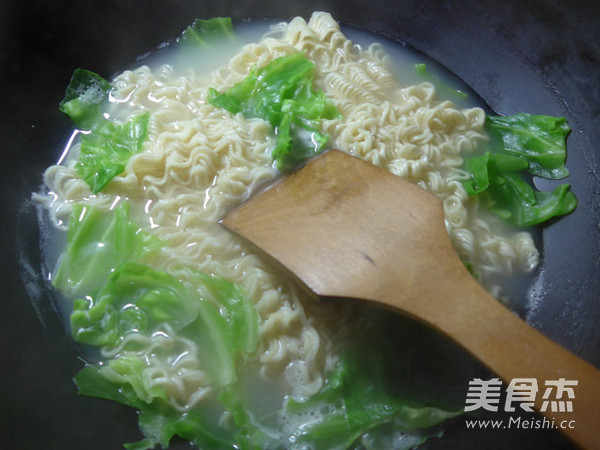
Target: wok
pixel 535 56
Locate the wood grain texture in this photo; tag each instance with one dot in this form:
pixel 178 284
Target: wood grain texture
pixel 348 229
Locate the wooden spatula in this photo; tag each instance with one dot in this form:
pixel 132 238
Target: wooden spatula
pixel 350 230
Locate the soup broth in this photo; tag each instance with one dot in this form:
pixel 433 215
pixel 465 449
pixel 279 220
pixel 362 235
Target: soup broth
pixel 199 161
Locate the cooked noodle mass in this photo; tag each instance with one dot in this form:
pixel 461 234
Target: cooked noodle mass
pixel 198 161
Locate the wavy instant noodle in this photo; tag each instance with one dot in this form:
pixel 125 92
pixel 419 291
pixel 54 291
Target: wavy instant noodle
pixel 200 161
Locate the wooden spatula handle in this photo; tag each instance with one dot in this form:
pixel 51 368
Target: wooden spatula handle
pixel 513 350
pixel 348 229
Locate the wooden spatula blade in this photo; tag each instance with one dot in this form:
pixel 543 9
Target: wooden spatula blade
pixel 349 229
pixel 340 224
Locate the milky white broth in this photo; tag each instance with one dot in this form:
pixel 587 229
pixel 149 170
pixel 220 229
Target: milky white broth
pixel 268 387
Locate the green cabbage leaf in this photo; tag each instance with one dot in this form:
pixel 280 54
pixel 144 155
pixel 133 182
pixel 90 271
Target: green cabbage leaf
pixel 523 145
pixel 106 145
pixel 117 296
pixel 97 242
pixel 105 151
pixel 204 32
pixel 122 380
pixel 540 139
pixel 359 399
pixel 138 299
pixel 282 94
pixel 85 97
